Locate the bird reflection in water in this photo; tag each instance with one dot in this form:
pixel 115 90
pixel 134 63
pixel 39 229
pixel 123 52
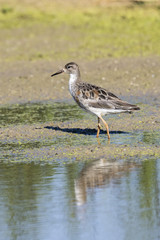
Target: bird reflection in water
pixel 97 174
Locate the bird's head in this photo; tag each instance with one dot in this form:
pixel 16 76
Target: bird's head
pixel 70 68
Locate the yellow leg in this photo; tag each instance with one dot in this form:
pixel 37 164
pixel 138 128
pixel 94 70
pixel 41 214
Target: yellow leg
pixel 99 127
pixel 106 125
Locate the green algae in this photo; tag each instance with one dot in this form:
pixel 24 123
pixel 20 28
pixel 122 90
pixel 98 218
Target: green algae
pixel 74 138
pixel 80 153
pixel 30 113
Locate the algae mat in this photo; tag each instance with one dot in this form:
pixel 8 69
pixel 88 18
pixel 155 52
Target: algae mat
pixel 57 131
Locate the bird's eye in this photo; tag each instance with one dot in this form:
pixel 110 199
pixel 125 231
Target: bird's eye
pixel 69 66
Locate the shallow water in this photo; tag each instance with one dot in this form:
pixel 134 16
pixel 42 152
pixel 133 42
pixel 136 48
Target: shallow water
pixel 38 112
pixel 43 197
pixel 90 200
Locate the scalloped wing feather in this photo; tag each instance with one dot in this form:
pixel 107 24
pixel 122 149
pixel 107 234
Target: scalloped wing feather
pixel 97 97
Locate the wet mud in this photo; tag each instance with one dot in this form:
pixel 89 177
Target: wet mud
pixel 24 81
pixel 58 131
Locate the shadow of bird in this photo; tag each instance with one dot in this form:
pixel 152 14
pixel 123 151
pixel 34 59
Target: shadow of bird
pixel 85 131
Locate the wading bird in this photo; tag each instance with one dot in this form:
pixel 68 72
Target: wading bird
pixel 94 99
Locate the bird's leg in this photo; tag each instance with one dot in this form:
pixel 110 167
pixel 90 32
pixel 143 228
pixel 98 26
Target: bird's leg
pixel 106 125
pixel 99 127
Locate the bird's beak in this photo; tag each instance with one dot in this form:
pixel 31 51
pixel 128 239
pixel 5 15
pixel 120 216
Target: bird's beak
pixel 60 71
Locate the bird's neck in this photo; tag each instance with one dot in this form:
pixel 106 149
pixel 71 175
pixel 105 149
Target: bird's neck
pixel 74 78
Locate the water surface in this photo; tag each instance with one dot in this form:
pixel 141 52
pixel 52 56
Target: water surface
pixel 90 200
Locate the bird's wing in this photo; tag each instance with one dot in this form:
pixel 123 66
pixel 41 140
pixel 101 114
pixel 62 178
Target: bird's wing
pixel 97 97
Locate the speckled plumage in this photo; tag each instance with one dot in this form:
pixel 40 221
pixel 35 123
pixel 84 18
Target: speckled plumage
pixel 92 98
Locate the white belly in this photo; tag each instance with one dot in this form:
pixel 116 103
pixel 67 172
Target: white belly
pixel 101 111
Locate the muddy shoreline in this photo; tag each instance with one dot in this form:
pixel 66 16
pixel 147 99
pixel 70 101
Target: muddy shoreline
pixel 30 81
pixel 133 137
